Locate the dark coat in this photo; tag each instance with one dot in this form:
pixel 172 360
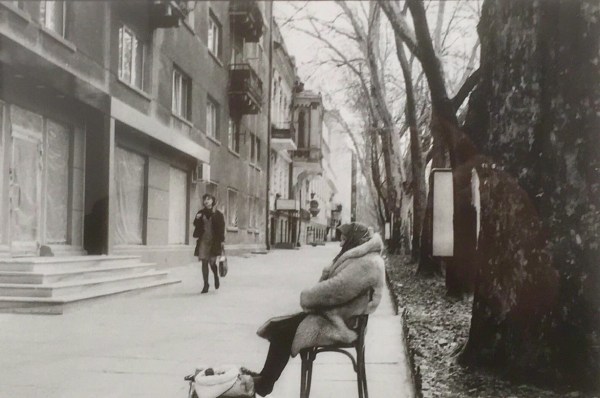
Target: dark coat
pixel 218 229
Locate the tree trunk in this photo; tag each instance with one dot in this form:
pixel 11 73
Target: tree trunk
pixel 377 92
pixel 459 266
pixel 535 112
pixel 418 183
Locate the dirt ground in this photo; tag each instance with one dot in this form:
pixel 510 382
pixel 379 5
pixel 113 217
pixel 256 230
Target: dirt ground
pixel 437 328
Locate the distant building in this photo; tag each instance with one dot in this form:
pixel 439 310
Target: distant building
pixel 343 154
pixel 284 209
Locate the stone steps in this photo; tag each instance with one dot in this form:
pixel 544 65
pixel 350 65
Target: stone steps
pixel 39 277
pixel 48 264
pixel 46 285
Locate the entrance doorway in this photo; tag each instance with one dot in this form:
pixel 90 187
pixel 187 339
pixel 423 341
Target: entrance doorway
pixel 39 182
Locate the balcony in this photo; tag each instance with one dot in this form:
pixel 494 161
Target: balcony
pixel 246 20
pixel 309 159
pixel 245 90
pixel 282 137
pixel 167 14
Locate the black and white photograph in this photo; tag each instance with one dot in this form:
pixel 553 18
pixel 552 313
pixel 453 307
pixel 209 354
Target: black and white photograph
pixel 303 198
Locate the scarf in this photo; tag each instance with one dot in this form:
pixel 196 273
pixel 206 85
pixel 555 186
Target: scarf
pixel 207 213
pixel 356 234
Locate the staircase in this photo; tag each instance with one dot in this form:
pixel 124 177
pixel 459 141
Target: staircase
pixel 46 285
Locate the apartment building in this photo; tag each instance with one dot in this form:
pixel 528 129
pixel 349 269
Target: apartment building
pixel 313 180
pixel 116 117
pixel 284 209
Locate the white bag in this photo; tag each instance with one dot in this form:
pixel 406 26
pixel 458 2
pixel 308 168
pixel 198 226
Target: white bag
pixel 226 381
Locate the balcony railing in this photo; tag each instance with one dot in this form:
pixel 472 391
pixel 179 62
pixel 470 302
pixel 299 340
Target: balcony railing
pixel 282 130
pixel 245 89
pixel 310 155
pixel 246 19
pixel 283 137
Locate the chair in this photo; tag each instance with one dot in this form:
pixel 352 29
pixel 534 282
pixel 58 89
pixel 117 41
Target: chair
pixel 308 356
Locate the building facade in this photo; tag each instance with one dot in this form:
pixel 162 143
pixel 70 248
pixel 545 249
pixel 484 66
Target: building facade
pixel 116 117
pixel 284 209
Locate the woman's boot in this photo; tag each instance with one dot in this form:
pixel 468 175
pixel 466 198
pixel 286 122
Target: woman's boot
pixel 215 271
pixel 205 276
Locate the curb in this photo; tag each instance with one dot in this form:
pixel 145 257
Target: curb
pixel 415 370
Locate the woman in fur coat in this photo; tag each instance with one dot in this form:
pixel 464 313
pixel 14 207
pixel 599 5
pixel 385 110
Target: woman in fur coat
pixel 350 286
pixel 209 228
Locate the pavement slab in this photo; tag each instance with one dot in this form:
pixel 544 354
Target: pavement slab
pixel 143 344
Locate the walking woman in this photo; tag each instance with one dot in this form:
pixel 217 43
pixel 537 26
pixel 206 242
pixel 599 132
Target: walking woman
pixel 350 286
pixel 209 228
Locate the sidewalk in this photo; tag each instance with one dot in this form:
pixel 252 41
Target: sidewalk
pixel 142 345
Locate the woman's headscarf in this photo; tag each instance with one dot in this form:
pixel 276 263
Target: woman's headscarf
pixel 356 234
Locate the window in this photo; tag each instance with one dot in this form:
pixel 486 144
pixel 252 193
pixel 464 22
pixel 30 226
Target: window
pixel 252 148
pixel 257 149
pixel 130 184
pixel 214 35
pixel 251 214
pixel 58 174
pixel 52 16
pixel 232 208
pixel 178 192
pixel 1 159
pixel 254 212
pixel 182 89
pixel 233 136
pixel 212 118
pixel 131 58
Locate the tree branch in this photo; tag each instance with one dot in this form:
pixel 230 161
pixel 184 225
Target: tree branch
pixel 466 88
pixel 400 26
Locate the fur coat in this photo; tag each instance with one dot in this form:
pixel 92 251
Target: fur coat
pixel 351 286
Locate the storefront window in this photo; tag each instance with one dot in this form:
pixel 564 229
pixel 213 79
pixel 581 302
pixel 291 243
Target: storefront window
pixel 130 174
pixel 1 162
pixel 57 191
pixel 177 206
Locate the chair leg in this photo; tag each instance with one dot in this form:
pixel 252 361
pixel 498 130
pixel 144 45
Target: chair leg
pixel 306 373
pixel 309 375
pixel 303 376
pixel 361 378
pixel 364 377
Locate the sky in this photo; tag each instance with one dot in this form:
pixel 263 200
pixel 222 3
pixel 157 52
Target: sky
pixel 310 52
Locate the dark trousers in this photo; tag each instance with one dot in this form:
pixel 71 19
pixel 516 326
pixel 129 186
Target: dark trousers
pixel 213 267
pixel 279 352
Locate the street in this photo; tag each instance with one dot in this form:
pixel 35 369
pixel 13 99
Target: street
pixel 143 344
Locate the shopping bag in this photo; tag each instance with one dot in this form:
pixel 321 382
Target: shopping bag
pixel 223 267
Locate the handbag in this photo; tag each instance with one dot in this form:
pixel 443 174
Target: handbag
pixel 223 267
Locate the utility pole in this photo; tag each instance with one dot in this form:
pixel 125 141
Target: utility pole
pixel 270 74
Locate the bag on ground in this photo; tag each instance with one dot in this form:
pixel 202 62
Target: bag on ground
pixel 220 382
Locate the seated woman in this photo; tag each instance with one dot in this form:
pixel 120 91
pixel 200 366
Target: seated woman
pixel 350 286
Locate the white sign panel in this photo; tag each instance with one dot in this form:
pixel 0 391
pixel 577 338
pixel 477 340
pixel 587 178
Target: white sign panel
pixel 443 213
pixel 287 204
pixel 476 202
